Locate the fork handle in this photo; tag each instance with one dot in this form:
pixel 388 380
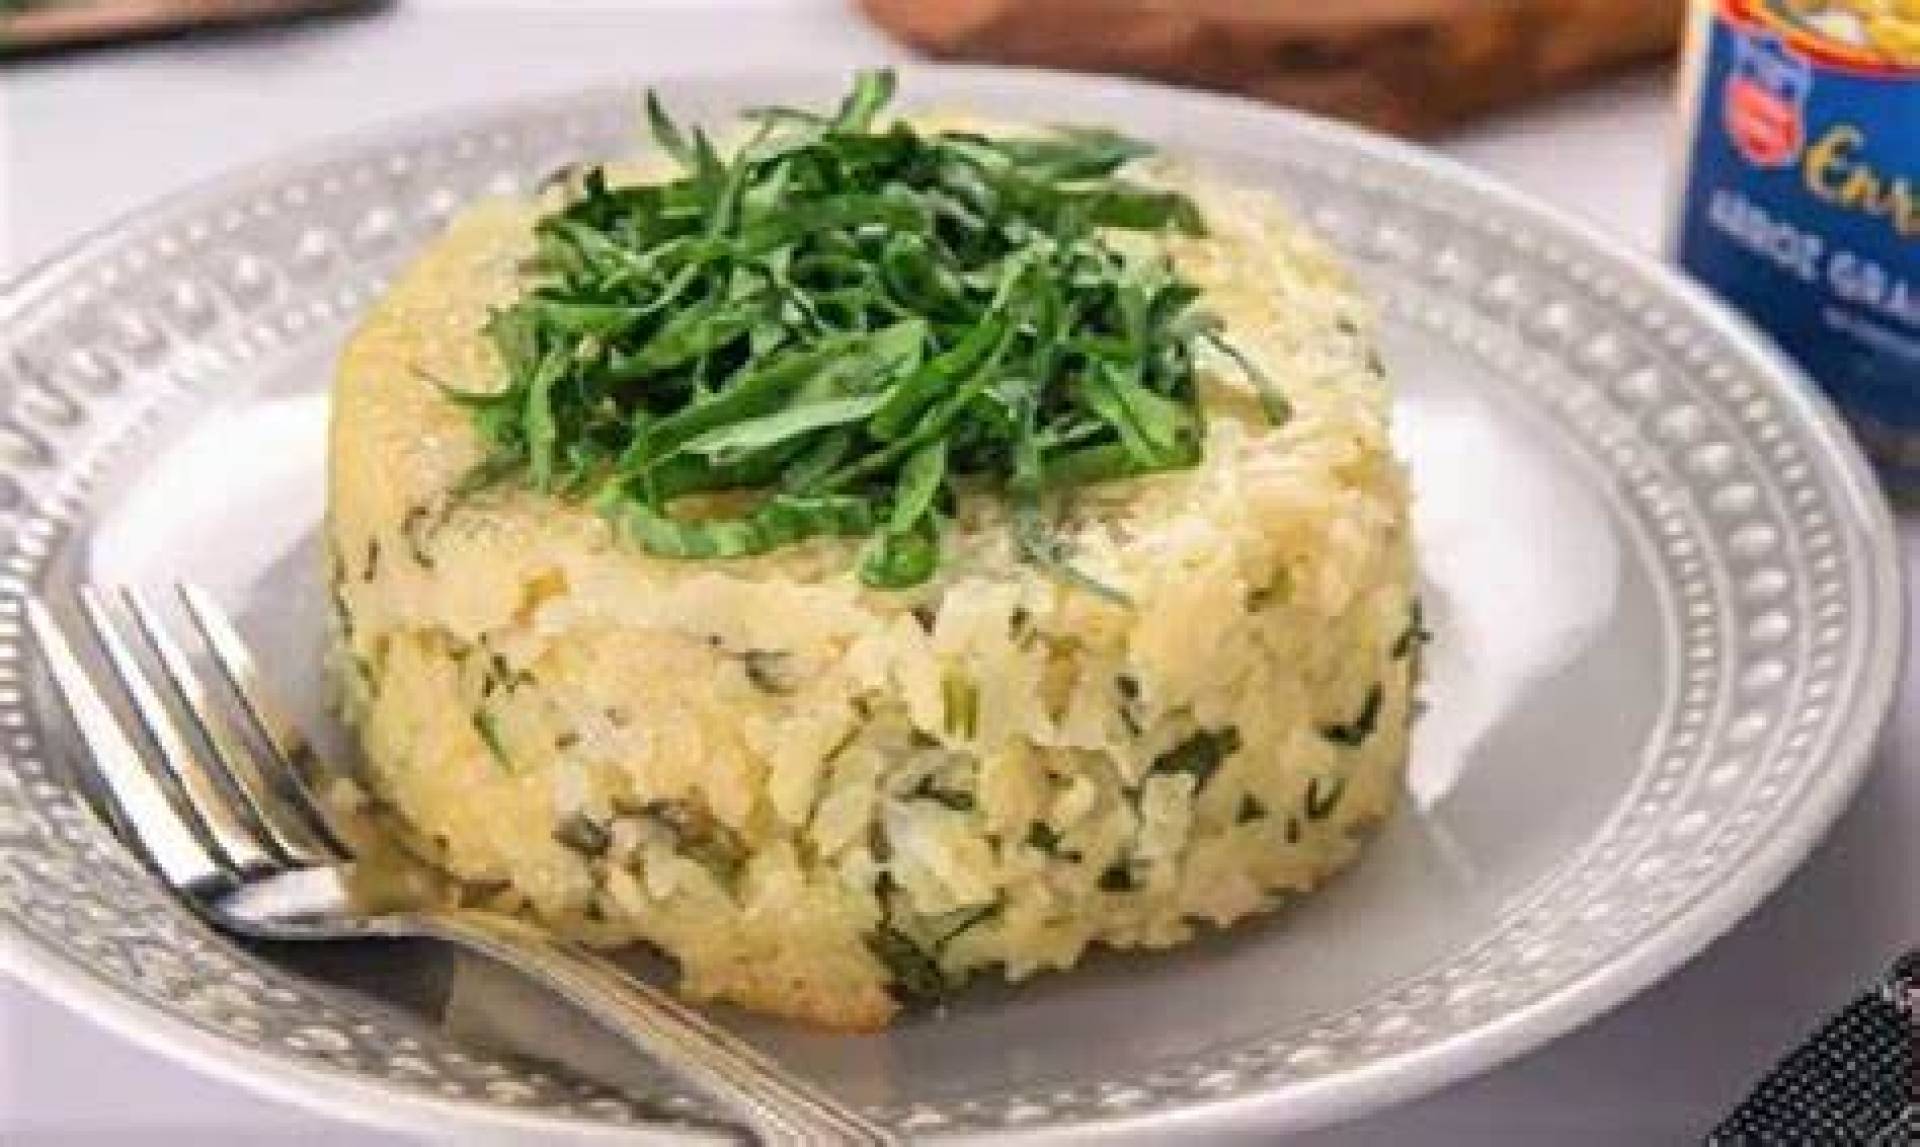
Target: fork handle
pixel 777 1105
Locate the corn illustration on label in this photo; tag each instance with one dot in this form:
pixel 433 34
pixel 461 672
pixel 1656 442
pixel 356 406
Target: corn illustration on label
pixel 1801 202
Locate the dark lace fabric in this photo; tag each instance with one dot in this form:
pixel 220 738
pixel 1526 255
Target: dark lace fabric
pixel 1857 1081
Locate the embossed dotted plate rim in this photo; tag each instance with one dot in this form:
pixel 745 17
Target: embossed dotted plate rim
pixel 1709 429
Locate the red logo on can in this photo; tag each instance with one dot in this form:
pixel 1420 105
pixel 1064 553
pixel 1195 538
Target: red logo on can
pixel 1764 101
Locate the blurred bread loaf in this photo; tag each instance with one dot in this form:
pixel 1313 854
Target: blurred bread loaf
pixel 1409 66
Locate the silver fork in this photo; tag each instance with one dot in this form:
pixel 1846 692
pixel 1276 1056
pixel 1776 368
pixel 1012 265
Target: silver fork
pixel 238 834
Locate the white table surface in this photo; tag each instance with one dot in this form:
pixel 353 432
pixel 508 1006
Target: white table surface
pixel 83 139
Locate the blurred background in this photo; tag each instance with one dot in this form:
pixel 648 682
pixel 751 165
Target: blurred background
pixel 178 89
pixel 106 105
pixel 1411 66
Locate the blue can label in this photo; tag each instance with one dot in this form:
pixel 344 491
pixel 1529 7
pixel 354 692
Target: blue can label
pixel 1802 206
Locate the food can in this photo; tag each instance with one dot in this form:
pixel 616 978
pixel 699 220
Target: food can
pixel 1799 196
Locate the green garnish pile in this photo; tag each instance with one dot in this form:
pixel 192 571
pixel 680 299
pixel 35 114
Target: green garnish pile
pixel 853 323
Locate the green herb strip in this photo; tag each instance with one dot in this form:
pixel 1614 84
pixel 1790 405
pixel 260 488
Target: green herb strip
pixel 770 671
pixel 1320 801
pixel 582 834
pixel 969 919
pixel 1129 689
pixel 960 706
pixel 1414 635
pixel 914 967
pixel 697 834
pixel 916 974
pixel 1043 836
pixel 1354 733
pixel 417 527
pixel 1199 755
pixel 487 725
pixel 929 790
pixel 852 322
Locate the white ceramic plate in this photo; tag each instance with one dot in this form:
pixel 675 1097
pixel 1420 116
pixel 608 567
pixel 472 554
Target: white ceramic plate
pixel 1663 584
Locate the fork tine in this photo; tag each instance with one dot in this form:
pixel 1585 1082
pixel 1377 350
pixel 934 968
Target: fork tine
pixel 146 813
pixel 287 830
pixel 232 838
pixel 292 754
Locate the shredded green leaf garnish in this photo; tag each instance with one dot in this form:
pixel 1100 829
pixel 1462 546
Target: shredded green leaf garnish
pixel 853 321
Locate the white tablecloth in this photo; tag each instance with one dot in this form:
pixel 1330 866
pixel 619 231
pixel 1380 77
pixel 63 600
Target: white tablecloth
pixel 83 139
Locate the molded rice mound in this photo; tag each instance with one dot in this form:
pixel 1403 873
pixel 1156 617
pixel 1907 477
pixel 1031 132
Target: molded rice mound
pixel 822 799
